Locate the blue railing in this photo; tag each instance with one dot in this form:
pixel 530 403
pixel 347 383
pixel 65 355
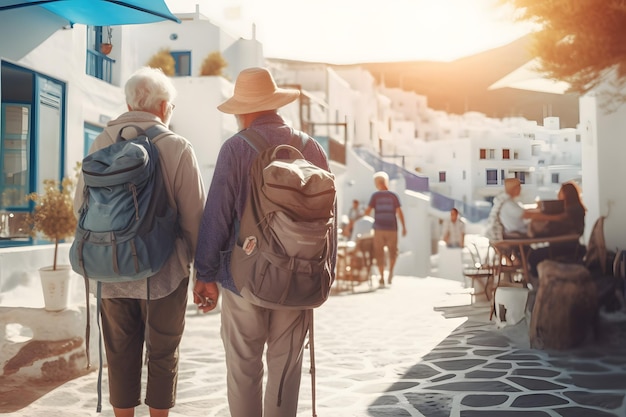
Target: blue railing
pixel 99 65
pixel 413 181
pixel 471 212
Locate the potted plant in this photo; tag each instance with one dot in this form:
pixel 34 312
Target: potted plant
pixel 164 60
pixel 106 47
pixel 213 65
pixel 53 218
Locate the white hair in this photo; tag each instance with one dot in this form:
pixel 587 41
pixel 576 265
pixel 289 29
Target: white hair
pixel 147 88
pixel 382 176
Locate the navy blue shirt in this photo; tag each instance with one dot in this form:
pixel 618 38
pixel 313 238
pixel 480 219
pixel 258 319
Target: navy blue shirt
pixel 385 204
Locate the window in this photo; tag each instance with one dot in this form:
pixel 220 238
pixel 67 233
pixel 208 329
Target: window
pixel 31 143
pixel 535 150
pixel 506 154
pixel 91 132
pixel 492 176
pixel 15 162
pixel 521 176
pixel 183 62
pixel 98 65
pixel 487 154
pixel 464 175
pixel 442 176
pixel 555 178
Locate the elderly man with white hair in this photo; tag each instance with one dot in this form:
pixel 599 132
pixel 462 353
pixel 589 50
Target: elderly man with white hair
pixel 246 327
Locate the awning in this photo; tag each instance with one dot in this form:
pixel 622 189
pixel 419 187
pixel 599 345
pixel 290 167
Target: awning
pixel 100 12
pixel 528 77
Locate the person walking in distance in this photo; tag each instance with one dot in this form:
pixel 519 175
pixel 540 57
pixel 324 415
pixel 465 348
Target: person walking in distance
pixel 247 329
pixel 133 315
pixel 387 211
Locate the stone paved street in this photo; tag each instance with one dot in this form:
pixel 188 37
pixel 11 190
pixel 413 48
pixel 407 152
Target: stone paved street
pixel 415 349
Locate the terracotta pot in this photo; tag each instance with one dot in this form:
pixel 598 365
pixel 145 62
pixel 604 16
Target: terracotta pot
pixel 56 287
pixel 106 48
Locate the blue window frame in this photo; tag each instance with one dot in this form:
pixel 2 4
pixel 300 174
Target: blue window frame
pixel 33 146
pixel 98 64
pixel 183 62
pixel 492 176
pixel 91 132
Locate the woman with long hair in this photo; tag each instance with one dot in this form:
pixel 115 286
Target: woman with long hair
pixel 569 221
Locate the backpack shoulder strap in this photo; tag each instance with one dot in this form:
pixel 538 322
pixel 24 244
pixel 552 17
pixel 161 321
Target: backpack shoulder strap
pixel 298 140
pixel 154 132
pixel 258 143
pixel 255 140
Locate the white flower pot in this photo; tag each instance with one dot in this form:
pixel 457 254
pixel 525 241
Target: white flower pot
pixel 56 287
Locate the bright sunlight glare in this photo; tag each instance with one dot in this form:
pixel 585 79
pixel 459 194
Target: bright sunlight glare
pixel 354 31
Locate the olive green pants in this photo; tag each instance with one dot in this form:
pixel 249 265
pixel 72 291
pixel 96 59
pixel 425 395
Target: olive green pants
pixel 124 333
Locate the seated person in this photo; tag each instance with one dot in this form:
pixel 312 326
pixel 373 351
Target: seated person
pixel 505 219
pixel 353 215
pixel 453 232
pixel 570 221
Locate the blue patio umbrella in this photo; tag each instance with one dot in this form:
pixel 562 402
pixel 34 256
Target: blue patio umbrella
pixel 99 12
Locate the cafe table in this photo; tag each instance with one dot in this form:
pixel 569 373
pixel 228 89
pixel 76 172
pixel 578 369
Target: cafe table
pixel 523 245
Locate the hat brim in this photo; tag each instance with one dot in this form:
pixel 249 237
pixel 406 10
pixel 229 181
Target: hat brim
pixel 281 97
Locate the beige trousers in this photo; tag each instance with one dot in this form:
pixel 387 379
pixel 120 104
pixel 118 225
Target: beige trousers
pixel 246 330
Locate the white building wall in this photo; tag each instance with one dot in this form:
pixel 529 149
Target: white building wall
pixel 244 53
pixel 364 108
pixel 199 120
pixel 603 168
pixel 200 36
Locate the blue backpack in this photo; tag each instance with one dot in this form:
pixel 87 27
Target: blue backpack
pixel 126 228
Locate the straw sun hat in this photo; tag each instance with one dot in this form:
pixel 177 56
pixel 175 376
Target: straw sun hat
pixel 255 90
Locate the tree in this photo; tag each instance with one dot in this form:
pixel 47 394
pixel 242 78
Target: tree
pixel 582 42
pixel 213 64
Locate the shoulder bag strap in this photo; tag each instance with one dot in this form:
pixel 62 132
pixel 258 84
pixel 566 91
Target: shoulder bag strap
pixel 254 139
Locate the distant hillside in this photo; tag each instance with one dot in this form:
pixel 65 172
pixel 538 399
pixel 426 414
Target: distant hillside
pixel 461 85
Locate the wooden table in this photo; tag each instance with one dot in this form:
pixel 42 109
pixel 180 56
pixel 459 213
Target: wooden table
pixel 524 244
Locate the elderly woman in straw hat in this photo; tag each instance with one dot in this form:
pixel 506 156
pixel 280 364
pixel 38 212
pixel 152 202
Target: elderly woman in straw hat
pixel 247 328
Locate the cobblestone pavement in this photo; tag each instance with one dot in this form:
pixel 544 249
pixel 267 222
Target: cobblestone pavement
pixel 416 348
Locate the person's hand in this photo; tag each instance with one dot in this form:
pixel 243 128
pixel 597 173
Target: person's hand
pixel 205 295
pixel 403 231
